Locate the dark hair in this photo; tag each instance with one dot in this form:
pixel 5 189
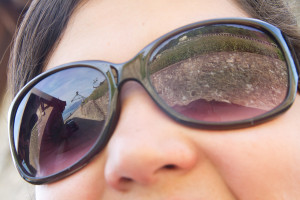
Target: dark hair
pixel 9 13
pixel 41 28
pixel 278 13
pixel 45 21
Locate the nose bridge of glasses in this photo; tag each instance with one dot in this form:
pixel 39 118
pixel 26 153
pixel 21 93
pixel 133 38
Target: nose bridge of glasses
pixel 131 70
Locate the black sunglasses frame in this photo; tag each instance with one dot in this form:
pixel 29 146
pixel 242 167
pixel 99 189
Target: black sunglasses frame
pixel 136 70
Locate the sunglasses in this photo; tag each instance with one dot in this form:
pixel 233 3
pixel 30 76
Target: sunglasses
pixel 216 74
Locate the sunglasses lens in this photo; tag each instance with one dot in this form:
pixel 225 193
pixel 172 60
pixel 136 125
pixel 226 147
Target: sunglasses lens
pixel 220 73
pixel 60 119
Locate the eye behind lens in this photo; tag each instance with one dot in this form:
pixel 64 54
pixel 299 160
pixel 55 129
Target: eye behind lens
pixel 62 118
pixel 220 73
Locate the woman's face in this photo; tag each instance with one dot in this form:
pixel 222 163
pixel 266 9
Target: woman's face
pixel 150 156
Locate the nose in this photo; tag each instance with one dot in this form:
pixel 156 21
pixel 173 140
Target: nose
pixel 146 143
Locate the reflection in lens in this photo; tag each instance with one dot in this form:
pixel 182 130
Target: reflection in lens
pixel 62 118
pixel 220 73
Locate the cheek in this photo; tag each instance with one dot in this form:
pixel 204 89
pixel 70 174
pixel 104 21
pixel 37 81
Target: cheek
pixel 87 183
pixel 256 162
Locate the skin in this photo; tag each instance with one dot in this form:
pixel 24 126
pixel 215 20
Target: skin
pixel 150 156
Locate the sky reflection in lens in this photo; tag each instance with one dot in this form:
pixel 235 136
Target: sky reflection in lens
pixel 71 84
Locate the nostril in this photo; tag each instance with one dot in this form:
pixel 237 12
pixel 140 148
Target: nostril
pixel 125 180
pixel 169 166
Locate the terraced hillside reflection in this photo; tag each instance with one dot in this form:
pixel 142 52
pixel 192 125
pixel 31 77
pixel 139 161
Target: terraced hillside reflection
pixel 220 73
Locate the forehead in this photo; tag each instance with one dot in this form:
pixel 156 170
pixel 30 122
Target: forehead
pixel 115 30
